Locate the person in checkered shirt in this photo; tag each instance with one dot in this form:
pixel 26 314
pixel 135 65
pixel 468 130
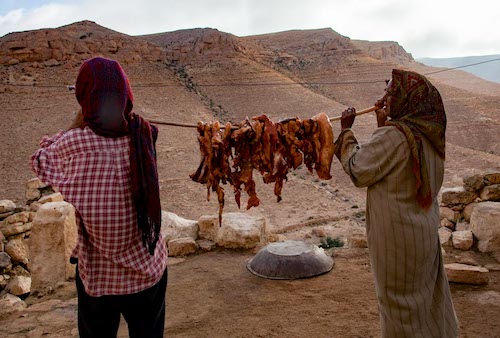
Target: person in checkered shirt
pixel 105 165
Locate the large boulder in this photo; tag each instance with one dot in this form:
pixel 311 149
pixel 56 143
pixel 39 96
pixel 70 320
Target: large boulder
pixel 238 230
pixel 174 227
pixel 485 224
pixel 52 240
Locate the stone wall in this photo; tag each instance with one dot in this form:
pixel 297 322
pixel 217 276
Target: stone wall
pixel 468 209
pixel 16 226
pixel 470 221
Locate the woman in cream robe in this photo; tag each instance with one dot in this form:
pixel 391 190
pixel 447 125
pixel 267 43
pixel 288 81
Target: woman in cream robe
pixel 402 165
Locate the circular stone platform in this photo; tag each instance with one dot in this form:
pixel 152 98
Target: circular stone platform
pixel 290 260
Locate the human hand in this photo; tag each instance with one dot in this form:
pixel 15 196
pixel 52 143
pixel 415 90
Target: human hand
pixel 381 117
pixel 381 112
pixel 347 119
pixel 381 102
pixel 78 121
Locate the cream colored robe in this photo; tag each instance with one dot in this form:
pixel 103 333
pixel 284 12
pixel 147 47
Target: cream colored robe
pixel 411 284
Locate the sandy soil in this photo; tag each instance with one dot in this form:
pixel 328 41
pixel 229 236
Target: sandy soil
pixel 214 295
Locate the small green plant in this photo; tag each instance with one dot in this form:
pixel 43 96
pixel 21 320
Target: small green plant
pixel 328 242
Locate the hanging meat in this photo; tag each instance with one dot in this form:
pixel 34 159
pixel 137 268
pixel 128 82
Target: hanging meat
pixel 215 152
pixel 271 148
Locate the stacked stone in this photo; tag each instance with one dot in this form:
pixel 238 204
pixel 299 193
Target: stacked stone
pixel 38 193
pixel 16 224
pixel 15 229
pixel 470 219
pixel 471 211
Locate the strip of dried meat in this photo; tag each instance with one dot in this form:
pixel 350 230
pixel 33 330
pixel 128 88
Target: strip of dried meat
pixel 271 148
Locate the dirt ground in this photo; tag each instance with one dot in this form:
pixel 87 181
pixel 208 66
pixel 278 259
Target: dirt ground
pixel 214 295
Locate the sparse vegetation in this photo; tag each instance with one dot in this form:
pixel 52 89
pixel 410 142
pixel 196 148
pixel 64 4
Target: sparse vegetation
pixel 328 243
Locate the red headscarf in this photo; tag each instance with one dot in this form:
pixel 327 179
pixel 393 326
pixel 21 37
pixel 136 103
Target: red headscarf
pixel 417 110
pixel 104 92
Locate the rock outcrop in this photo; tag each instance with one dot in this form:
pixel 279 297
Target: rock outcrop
pixel 384 50
pixel 74 43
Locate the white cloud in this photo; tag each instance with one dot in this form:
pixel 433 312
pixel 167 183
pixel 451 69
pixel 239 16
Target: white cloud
pixel 11 18
pixel 423 27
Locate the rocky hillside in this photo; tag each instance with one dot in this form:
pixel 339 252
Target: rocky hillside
pixel 384 50
pixel 198 44
pixel 74 43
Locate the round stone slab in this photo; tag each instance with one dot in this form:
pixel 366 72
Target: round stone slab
pixel 290 260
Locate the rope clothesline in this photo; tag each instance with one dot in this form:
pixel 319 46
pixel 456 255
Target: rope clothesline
pixel 187 125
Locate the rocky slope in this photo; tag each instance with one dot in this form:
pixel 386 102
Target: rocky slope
pixel 74 43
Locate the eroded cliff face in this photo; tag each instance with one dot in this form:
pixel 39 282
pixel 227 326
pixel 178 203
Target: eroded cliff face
pixel 74 43
pixel 200 44
pixel 384 50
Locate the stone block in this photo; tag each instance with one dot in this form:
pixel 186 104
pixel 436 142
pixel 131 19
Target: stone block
pixel 466 274
pixel 490 193
pixel 19 285
pixel 54 197
pixel 492 177
pixel 6 206
pixel 35 183
pixel 52 240
pixel 17 250
pixel 240 231
pixel 208 227
pixel 456 196
pixel 474 182
pixel 462 240
pixel 182 247
pixel 467 211
pixel 444 236
pixel 20 217
pixel 447 224
pixel 449 214
pixel 16 229
pixel 32 194
pixel 485 224
pixel 174 226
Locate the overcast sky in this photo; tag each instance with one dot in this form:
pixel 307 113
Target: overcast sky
pixel 432 28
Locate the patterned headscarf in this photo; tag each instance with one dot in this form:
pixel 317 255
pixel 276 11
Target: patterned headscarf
pixel 103 90
pixel 417 110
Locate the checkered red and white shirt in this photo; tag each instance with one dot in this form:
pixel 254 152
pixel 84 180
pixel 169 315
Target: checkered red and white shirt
pixel 93 173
